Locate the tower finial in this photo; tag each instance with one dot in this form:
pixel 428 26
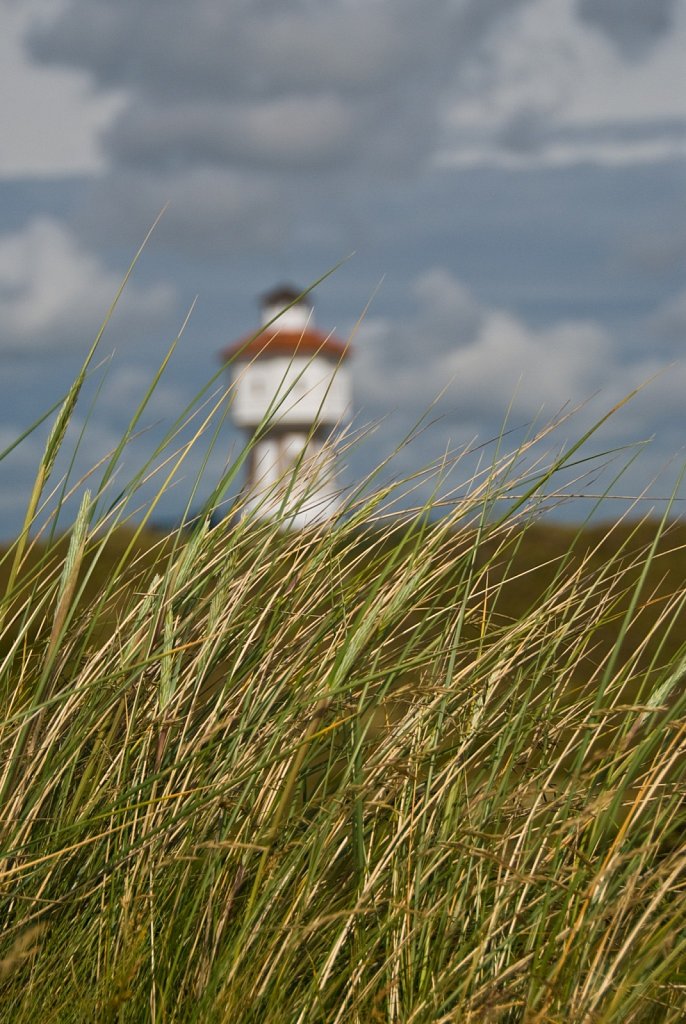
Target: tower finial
pixel 289 305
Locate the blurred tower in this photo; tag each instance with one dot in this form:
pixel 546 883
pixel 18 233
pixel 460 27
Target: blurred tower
pixel 291 388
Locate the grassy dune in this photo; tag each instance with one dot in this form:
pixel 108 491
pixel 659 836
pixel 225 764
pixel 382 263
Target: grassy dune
pixel 394 770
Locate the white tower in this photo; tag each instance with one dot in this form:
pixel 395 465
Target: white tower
pixel 291 389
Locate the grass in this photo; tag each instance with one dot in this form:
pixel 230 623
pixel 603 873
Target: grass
pixel 399 769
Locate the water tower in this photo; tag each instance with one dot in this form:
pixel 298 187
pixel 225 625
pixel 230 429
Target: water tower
pixel 291 389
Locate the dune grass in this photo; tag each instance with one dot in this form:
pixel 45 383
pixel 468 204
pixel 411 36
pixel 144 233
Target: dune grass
pixel 256 775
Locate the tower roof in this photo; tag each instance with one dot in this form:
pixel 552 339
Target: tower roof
pixel 271 341
pixel 288 334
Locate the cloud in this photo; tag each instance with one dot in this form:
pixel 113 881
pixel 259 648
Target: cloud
pixel 290 131
pixel 531 139
pixel 253 83
pixel 633 26
pixel 556 92
pixel 50 117
pixel 230 111
pixel 243 115
pixel 474 368
pixel 54 293
pixel 262 48
pixel 483 360
pixel 669 320
pixel 658 251
pixel 212 210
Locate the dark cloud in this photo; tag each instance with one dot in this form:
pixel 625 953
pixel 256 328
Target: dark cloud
pixel 171 48
pixel 531 132
pixel 230 109
pixel 168 47
pixel 301 132
pixel 313 85
pixel 211 211
pixel 237 113
pixel 527 131
pixel 632 25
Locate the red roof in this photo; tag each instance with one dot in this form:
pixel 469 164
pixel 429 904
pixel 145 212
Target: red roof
pixel 275 342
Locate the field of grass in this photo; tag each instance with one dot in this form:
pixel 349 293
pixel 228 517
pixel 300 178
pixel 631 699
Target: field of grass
pixel 399 769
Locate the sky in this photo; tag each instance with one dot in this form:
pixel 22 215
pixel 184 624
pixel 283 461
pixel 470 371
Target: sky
pixel 499 184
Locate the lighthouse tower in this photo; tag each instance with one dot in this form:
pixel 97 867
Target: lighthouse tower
pixel 291 388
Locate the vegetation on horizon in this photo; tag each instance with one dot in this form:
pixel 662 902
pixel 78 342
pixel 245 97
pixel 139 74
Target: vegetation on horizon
pixel 251 775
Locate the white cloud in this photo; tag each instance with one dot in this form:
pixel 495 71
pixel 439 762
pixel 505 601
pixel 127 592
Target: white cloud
pixel 483 360
pixel 54 294
pixel 555 92
pixel 50 117
pixel 535 369
pixel 492 369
